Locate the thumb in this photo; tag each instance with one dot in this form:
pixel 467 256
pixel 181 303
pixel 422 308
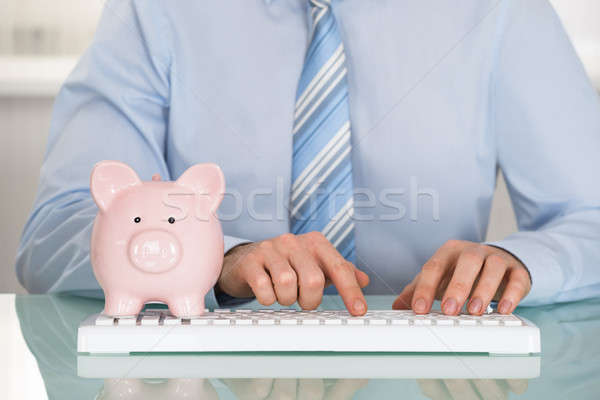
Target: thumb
pixel 361 277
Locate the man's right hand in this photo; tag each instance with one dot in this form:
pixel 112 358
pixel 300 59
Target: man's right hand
pixel 290 268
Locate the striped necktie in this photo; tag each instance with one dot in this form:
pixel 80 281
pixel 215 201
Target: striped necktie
pixel 321 195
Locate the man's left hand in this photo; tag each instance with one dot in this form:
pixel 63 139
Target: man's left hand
pixel 462 270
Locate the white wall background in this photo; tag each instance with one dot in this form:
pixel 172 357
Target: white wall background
pixel 68 26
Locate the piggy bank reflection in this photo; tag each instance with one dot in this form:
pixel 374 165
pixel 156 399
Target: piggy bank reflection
pixel 147 389
pixel 156 240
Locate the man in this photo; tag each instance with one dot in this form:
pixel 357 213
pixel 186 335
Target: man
pixel 410 105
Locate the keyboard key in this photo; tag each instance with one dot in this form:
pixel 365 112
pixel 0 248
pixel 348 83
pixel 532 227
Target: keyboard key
pixel 355 321
pixel 288 321
pixel 403 321
pixel 512 322
pixel 311 321
pixel 171 320
pixel 221 322
pixel 490 322
pixel 335 321
pixel 421 321
pixel 198 321
pixel 105 320
pixel 266 322
pixel 243 322
pixel 378 321
pixel 127 321
pixel 150 320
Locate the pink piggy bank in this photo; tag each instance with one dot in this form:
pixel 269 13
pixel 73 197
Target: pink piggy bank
pixel 157 240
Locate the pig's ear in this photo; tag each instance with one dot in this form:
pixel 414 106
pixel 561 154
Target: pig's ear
pixel 205 179
pixel 108 179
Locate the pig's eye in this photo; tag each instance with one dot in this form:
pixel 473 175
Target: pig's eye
pixel 137 220
pixel 171 220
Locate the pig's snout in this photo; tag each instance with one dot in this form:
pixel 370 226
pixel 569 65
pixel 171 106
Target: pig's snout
pixel 154 251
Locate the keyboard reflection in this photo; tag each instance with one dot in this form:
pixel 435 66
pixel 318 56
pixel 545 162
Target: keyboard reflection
pixel 309 366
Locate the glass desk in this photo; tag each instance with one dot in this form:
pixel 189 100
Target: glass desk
pixel 38 359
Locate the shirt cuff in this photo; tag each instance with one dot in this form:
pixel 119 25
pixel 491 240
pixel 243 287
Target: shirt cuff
pixel 210 300
pixel 541 262
pixel 231 241
pixel 225 300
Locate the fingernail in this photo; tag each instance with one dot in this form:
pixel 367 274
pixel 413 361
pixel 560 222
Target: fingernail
pixel 450 306
pixel 504 306
pixel 420 306
pixel 359 306
pixel 475 306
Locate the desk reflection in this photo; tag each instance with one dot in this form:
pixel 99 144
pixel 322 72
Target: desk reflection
pixel 568 367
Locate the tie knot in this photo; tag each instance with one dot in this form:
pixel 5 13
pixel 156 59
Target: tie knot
pixel 320 3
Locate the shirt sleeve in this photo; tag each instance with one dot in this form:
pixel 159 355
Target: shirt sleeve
pixel 546 117
pixel 114 105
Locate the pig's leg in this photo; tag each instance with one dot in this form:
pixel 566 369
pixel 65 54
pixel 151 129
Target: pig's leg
pixel 187 388
pixel 187 306
pixel 119 304
pixel 122 388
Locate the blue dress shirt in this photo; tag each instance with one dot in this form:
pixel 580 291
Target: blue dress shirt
pixel 442 95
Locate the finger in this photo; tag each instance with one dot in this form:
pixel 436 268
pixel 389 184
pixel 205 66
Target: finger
pixel 344 389
pixel 403 300
pixel 441 289
pixel 310 277
pixel 311 280
pixel 311 389
pixel 260 282
pixel 491 276
pixel 517 386
pixel 433 389
pixel 490 389
pixel 283 389
pixel 430 277
pixel 282 274
pixel 468 265
pixel 361 277
pixel 517 287
pixel 461 389
pixel 341 273
pixel 250 389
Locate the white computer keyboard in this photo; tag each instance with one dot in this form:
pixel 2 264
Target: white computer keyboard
pixel 242 330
